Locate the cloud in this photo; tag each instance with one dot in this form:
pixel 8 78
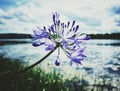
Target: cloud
pixel 115 14
pixel 6 17
pixel 6 4
pixel 21 16
pixel 117 22
pixel 90 21
pixel 116 9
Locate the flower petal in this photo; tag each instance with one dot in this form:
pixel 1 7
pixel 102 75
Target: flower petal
pixel 57 62
pixel 37 44
pixel 50 47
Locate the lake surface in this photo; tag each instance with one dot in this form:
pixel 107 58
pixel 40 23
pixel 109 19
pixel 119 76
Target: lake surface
pixel 103 59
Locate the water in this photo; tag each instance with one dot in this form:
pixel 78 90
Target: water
pixel 103 59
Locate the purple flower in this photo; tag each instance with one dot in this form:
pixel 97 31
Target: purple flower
pixel 67 36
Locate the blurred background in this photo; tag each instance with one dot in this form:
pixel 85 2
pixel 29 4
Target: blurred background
pixel 100 19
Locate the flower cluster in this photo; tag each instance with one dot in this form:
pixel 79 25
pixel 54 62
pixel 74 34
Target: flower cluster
pixel 65 36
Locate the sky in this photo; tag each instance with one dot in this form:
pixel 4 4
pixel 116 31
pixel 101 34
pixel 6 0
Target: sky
pixel 93 16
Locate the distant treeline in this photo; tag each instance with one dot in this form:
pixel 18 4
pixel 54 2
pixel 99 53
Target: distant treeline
pixel 105 36
pixel 93 36
pixel 15 36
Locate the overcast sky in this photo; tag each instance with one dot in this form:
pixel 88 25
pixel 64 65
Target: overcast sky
pixel 93 16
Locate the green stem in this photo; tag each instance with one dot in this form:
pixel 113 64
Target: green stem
pixel 33 65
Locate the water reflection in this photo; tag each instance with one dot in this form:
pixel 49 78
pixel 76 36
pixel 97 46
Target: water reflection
pixel 101 61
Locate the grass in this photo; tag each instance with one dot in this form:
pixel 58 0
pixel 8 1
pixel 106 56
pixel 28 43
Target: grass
pixel 33 80
pixel 36 79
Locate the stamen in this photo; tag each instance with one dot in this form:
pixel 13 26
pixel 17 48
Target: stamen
pixel 73 23
pixel 68 24
pixel 77 27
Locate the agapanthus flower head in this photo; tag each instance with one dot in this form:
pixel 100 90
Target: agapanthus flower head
pixel 66 35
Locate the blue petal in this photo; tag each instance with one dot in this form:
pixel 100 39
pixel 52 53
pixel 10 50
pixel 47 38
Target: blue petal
pixel 57 62
pixel 37 44
pixel 82 49
pixel 44 28
pixel 68 24
pixel 77 60
pixel 73 23
pixel 58 23
pixel 53 18
pixel 77 27
pixel 82 55
pixel 87 38
pixel 50 47
pixel 52 29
